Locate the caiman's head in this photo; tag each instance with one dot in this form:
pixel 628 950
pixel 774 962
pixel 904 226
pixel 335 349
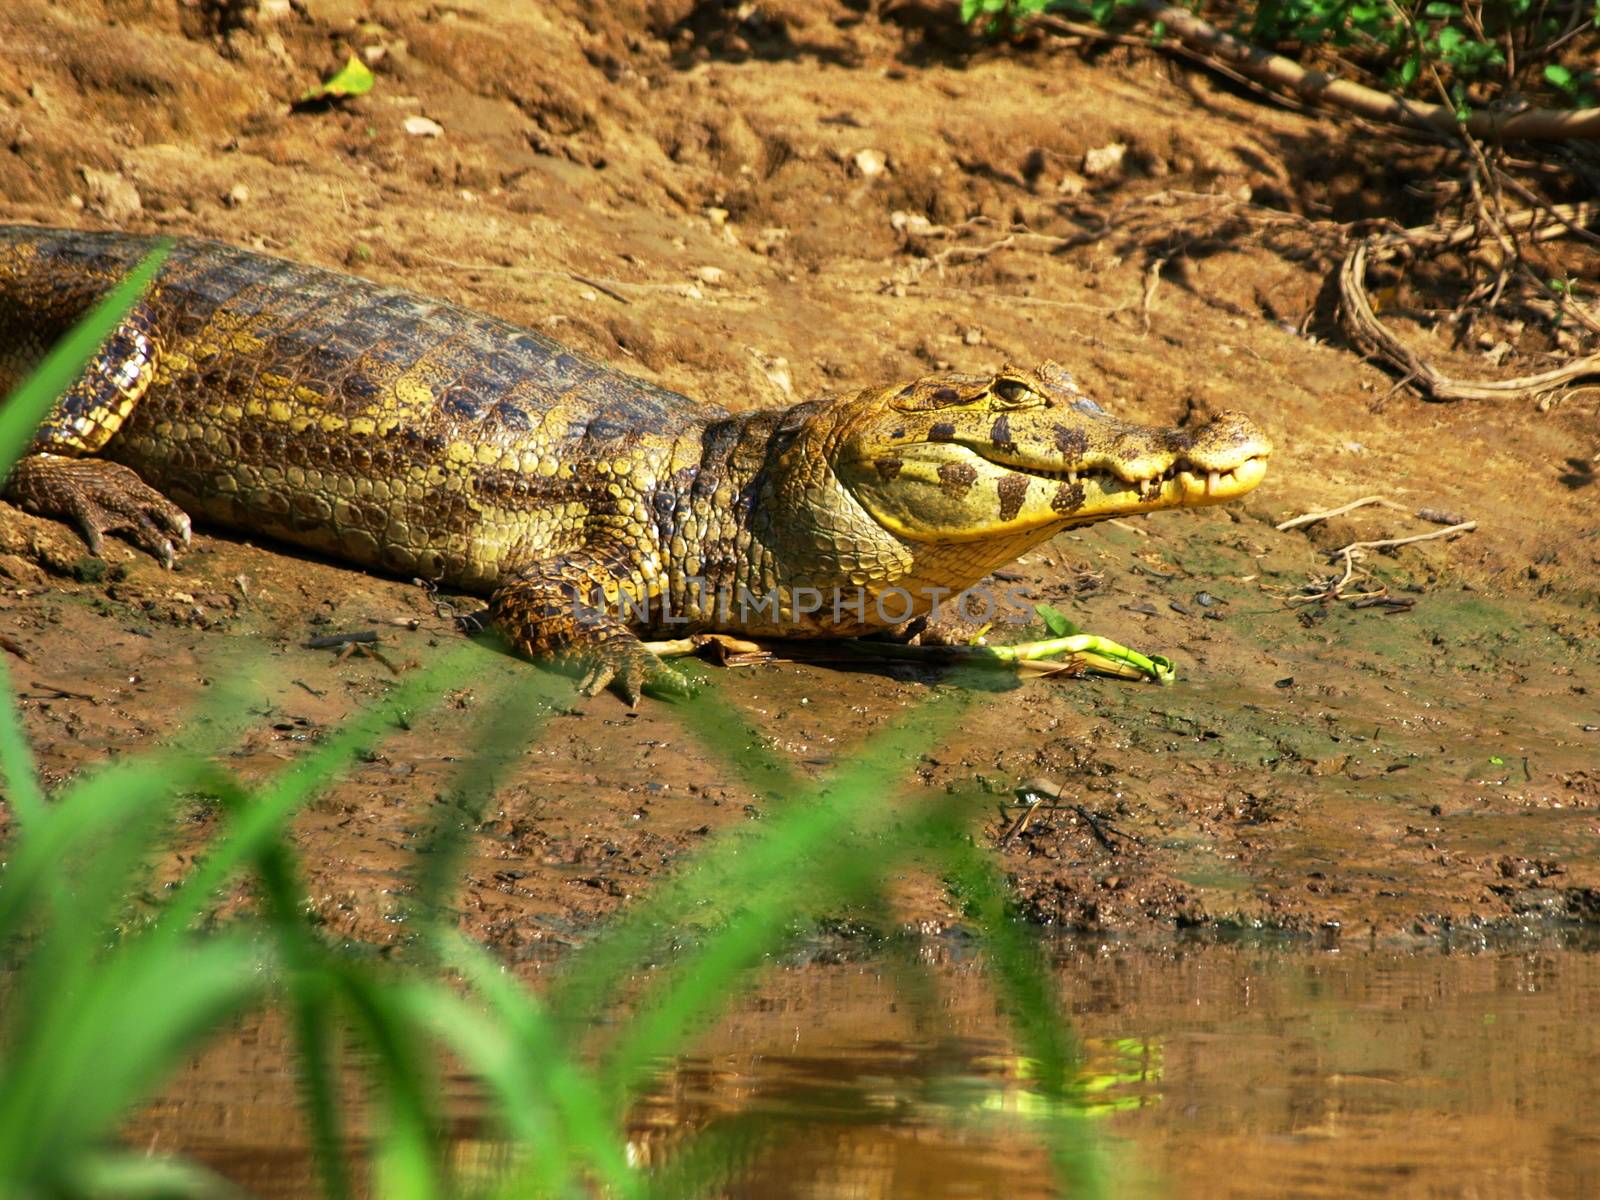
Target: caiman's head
pixel 1007 459
pixel 961 457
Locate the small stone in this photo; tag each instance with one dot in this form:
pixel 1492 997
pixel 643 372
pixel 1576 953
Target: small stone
pixel 710 275
pixel 373 55
pixel 909 223
pixel 973 336
pixel 717 216
pixel 771 239
pixel 237 196
pixel 871 163
pixel 422 127
pixel 111 195
pixel 1072 184
pixel 1104 160
pixel 776 369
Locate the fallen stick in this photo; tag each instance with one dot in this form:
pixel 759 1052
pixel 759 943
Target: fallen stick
pixel 1530 124
pixel 1313 517
pixel 1386 543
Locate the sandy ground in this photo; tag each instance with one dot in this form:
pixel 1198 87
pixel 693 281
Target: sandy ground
pixel 736 203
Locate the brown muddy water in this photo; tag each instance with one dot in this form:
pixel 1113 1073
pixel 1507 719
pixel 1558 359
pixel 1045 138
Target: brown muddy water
pixel 1210 1070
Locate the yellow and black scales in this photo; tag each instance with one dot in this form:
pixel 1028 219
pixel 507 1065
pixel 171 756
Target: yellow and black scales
pixel 408 435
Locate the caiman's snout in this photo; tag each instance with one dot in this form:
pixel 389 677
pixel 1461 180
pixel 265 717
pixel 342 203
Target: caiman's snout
pixel 1216 462
pixel 962 458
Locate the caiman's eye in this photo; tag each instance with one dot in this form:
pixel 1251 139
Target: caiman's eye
pixel 1011 391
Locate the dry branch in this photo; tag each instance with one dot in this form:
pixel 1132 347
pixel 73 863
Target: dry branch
pixel 1386 543
pixel 1530 124
pixel 1376 339
pixel 1312 518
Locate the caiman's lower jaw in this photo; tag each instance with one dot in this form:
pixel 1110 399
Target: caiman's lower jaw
pixel 1181 485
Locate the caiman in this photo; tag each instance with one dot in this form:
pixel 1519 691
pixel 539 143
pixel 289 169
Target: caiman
pixel 410 436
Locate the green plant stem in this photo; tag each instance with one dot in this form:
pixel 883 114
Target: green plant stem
pixel 1095 653
pixel 16 759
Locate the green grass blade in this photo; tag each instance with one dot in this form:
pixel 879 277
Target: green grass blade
pixel 316 1051
pixel 487 1047
pixel 83 849
pixel 712 1160
pixel 131 1176
pixel 406 1162
pixel 586 1117
pixel 309 997
pixel 260 822
pixel 68 887
pixel 1022 976
pixel 148 1005
pixel 514 720
pixel 597 973
pixel 30 403
pixel 836 858
pixel 23 792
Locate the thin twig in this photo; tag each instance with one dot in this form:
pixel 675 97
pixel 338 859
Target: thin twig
pixel 598 286
pixel 1385 543
pixel 1152 280
pixel 1312 518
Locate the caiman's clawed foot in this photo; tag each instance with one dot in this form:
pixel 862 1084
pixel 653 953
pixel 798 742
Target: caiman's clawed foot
pixel 628 669
pixel 551 611
pixel 100 497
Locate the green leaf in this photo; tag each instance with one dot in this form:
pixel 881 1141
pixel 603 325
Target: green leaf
pixel 1561 77
pixel 1056 621
pixel 969 10
pixel 1409 70
pixel 355 78
pixel 1447 12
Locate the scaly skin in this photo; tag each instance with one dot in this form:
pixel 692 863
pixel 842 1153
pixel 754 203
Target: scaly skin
pixel 403 434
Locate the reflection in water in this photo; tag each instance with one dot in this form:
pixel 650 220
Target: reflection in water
pixel 1208 1071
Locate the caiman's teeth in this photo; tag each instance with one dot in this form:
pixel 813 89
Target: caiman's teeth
pixel 1212 478
pixel 1072 477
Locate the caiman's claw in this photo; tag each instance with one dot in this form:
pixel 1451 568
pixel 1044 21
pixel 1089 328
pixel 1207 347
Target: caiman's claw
pixel 631 671
pixel 100 497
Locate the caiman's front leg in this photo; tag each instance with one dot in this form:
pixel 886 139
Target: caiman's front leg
pixel 99 497
pixel 565 610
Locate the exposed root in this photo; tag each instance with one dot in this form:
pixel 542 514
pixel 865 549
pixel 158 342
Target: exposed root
pixel 1372 336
